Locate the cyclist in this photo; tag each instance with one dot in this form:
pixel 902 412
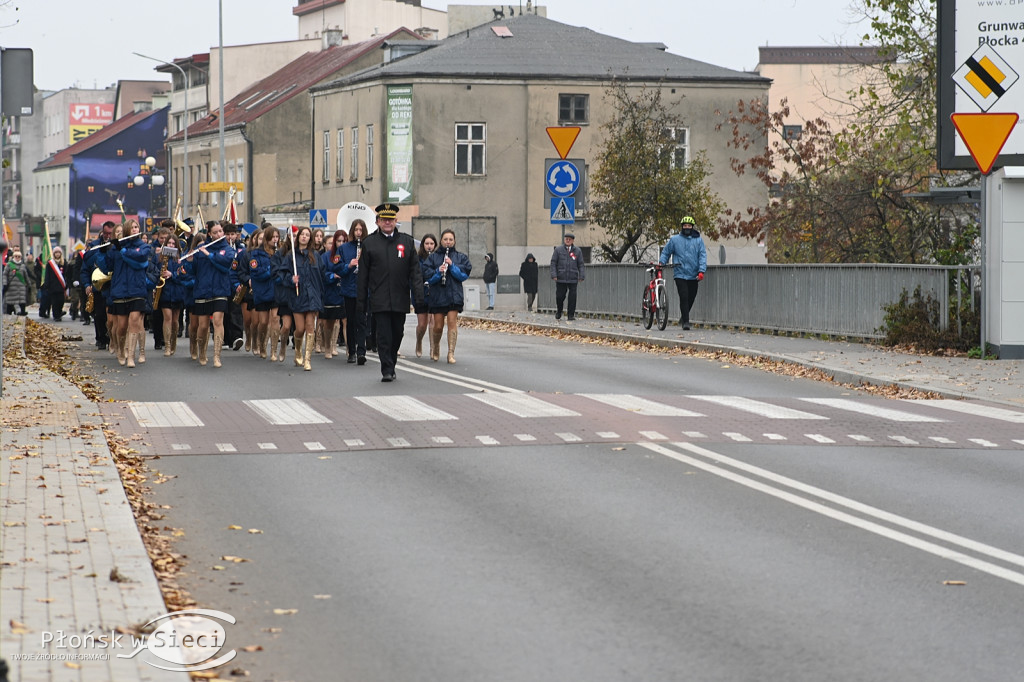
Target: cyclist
pixel 690 259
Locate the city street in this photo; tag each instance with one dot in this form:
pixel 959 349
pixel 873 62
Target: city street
pixel 554 510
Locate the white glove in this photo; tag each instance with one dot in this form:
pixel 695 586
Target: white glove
pixel 75 283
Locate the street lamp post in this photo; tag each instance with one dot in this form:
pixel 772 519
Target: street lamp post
pixel 154 179
pixel 184 80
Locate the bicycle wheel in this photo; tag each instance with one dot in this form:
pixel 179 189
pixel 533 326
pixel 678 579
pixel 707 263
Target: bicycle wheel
pixel 645 309
pixel 662 311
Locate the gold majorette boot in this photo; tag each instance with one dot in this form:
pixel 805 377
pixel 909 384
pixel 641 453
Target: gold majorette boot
pixel 307 352
pixel 419 342
pixel 201 344
pixel 168 335
pixel 174 337
pixel 218 341
pixel 274 333
pixel 283 338
pixel 435 344
pixel 141 338
pixel 298 348
pixel 453 336
pixel 130 347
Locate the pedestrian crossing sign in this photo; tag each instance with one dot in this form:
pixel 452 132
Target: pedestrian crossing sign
pixel 318 218
pixel 563 210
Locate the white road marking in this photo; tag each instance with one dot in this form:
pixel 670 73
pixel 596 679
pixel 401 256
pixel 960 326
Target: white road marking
pixel 525 437
pixel 976 409
pixel 443 440
pixel 267 446
pixel 983 443
pixel 226 447
pixel 940 439
pixel 898 536
pixel 757 407
pixel 286 411
pixel 163 415
pixel 818 438
pixel 860 439
pixel 648 408
pixel 405 408
pixel 904 440
pixel 774 436
pixel 398 442
pixel 871 410
pixel 738 437
pixel 488 440
pixel 522 405
pixel 354 443
pixel 569 437
pixel 449 377
pixel 694 434
pixel 180 446
pixel 314 446
pixel 653 435
pixel 607 434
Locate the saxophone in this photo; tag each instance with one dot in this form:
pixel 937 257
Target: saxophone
pixel 164 257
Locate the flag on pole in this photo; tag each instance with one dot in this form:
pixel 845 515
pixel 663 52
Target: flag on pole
pixel 46 256
pixel 8 233
pixel 232 211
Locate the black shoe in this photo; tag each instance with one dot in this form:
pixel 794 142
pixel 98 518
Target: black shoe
pixel 571 318
pixel 686 326
pixel 387 378
pixel 351 359
pixel 44 316
pixel 558 315
pixel 237 344
pixel 74 318
pixel 490 307
pixel 58 319
pixel 361 361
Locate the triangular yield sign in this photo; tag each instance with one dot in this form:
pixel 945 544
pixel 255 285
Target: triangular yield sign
pixel 984 135
pixel 563 138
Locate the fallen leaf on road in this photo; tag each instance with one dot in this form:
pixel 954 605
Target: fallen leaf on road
pixel 285 612
pixel 234 527
pixel 321 596
pixel 255 531
pixel 953 582
pixel 253 647
pixel 19 628
pixel 234 559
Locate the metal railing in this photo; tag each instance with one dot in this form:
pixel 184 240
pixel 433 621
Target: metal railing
pixel 841 300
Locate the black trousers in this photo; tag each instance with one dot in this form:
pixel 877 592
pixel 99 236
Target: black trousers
pixel 156 325
pixel 99 318
pixel 561 289
pixel 232 323
pixel 390 330
pixel 355 330
pixel 687 289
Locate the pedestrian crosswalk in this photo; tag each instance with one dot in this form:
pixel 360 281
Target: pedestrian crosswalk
pixel 491 419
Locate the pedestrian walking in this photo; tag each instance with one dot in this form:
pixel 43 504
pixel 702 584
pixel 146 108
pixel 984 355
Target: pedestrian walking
pixel 423 319
pixel 690 260
pixel 335 269
pixel 308 278
pixel 446 269
pixel 388 271
pixel 284 292
pixel 529 273
pixel 129 261
pixel 490 279
pixel 16 283
pixel 94 258
pixel 355 328
pixel 262 277
pixel 55 286
pixel 568 270
pixel 214 287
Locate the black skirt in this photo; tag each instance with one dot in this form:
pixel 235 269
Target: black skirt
pixel 211 306
pixel 333 312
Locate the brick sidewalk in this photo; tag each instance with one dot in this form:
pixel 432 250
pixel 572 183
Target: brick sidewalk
pixel 66 525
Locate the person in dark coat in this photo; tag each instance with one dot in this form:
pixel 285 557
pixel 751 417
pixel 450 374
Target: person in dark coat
pixel 490 279
pixel 308 280
pixel 388 271
pixel 54 286
pixel 529 273
pixel 568 270
pixel 16 283
pixel 445 271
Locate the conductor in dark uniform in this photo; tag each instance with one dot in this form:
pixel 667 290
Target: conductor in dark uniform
pixel 389 270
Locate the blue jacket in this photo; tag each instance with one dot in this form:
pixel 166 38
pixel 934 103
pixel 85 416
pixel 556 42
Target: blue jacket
pixel 335 274
pixel 311 283
pixel 214 274
pixel 95 260
pixel 450 293
pixel 350 278
pixel 185 277
pixel 284 290
pixel 173 291
pixel 688 254
pixel 129 269
pixel 261 276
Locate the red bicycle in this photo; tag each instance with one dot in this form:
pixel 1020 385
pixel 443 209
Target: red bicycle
pixel 654 304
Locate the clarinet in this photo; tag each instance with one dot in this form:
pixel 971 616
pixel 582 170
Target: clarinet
pixel 444 273
pixel 359 251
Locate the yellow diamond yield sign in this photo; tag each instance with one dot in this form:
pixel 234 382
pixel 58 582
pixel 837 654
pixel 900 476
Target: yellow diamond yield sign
pixel 984 135
pixel 563 138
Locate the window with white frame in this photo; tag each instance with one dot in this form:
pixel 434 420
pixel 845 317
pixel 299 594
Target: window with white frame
pixel 679 146
pixel 326 174
pixel 214 177
pixel 353 173
pixel 573 109
pixel 470 147
pixel 341 155
pixel 369 151
pixel 240 196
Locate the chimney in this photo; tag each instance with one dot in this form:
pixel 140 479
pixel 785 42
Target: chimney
pixel 332 37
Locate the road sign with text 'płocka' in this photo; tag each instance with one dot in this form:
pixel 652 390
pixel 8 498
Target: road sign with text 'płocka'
pixel 984 135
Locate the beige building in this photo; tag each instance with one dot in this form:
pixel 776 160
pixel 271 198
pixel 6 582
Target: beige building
pixel 266 133
pixel 816 81
pixel 457 133
pixel 360 20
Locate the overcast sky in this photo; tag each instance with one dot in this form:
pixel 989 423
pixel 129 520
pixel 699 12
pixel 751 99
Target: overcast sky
pixel 90 44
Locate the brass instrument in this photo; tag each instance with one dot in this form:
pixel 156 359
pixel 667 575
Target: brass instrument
pixel 90 302
pixel 243 291
pixel 99 279
pixel 165 255
pixel 120 205
pixel 181 229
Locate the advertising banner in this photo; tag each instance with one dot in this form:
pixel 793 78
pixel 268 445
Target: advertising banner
pixel 85 119
pixel 399 144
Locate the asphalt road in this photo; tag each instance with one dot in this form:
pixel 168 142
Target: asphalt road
pixel 784 538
